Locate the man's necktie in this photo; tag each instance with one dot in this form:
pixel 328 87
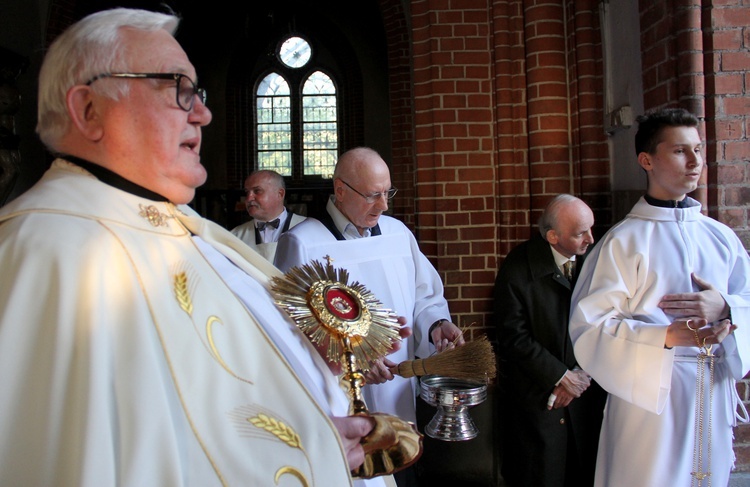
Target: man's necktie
pixel 273 224
pixel 569 268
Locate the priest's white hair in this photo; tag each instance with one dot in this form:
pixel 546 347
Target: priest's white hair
pixel 88 48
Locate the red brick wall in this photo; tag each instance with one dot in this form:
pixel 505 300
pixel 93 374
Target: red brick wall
pixel 507 114
pixel 455 149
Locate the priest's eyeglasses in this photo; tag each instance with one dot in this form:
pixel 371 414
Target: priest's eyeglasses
pixel 373 197
pixel 186 87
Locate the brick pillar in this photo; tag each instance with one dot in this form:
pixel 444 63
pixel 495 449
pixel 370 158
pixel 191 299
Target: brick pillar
pixel 455 146
pixel 590 178
pixel 567 145
pixel 511 120
pixel 550 149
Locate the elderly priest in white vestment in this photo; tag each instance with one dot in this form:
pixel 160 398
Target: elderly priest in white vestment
pixel 660 318
pixel 138 342
pixel 381 253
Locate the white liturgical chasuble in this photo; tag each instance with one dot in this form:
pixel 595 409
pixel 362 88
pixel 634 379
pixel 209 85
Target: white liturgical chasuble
pixel 128 360
pixel 618 333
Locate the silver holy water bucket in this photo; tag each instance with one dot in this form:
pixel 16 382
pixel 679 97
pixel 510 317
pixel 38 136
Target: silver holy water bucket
pixel 453 398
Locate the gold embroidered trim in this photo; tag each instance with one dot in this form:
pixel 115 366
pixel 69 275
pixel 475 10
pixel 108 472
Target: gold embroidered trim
pixel 154 216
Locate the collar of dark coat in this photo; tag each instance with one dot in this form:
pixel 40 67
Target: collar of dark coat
pixel 542 262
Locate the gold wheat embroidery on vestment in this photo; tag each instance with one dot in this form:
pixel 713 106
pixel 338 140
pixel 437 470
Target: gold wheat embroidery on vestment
pixel 276 428
pixel 182 293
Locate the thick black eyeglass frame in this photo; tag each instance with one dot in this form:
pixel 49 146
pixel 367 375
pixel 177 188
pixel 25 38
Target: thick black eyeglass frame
pixel 374 196
pixel 177 77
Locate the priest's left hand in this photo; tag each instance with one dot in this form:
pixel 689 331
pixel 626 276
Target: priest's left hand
pixel 707 304
pixel 446 336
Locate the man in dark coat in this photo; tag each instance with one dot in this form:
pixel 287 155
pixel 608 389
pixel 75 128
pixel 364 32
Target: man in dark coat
pixel 550 411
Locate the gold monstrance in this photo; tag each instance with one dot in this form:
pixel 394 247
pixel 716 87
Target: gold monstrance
pixel 354 329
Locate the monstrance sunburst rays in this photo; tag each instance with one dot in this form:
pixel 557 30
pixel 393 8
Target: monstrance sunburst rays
pixel 328 309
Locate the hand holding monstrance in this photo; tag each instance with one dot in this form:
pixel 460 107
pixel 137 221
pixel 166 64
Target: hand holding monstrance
pixel 353 328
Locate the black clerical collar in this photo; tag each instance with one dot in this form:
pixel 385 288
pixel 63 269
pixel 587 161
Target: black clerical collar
pixel 113 179
pixel 666 203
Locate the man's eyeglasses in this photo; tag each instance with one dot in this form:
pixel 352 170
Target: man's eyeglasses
pixel 373 197
pixel 186 88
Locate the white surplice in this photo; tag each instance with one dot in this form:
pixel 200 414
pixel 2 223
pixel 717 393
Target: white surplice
pixel 128 360
pixel 618 333
pixel 393 268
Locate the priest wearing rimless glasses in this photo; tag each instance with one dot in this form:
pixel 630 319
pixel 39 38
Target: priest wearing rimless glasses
pixel 382 254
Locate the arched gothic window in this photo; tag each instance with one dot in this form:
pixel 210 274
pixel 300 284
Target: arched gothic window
pixel 296 119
